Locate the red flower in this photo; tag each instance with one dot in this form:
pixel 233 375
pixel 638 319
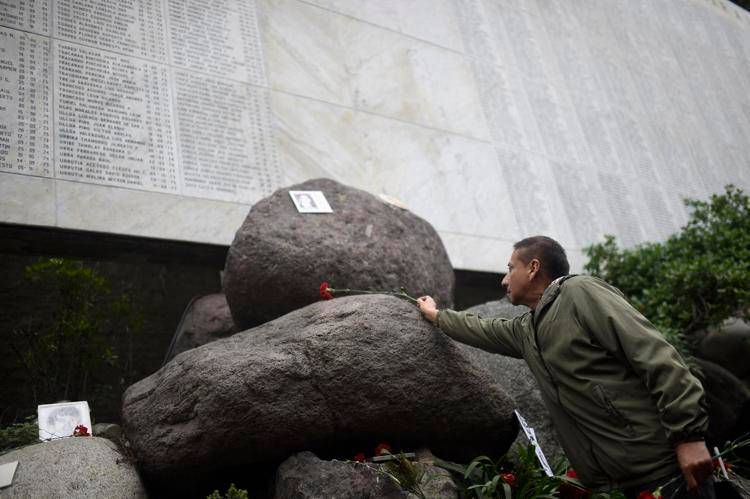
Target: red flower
pixel 646 494
pixel 509 478
pixel 81 431
pixel 325 291
pixel 717 466
pixel 382 448
pixel 571 491
pixel 359 457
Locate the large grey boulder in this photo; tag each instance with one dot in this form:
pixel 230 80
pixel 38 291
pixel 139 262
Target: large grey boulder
pixel 331 377
pixel 729 346
pixel 516 378
pixel 728 401
pixel 279 257
pixel 305 476
pixel 205 319
pixel 86 467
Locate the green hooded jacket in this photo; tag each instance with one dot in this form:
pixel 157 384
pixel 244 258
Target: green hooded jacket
pixel 619 394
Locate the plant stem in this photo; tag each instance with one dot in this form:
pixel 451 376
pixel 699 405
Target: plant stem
pixel 399 294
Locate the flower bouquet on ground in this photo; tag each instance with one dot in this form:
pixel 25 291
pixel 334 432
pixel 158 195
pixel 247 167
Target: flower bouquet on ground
pixel 328 293
pixel 484 478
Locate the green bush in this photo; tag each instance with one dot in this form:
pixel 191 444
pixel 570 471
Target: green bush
pixel 697 278
pixel 19 434
pixel 70 340
pixel 232 493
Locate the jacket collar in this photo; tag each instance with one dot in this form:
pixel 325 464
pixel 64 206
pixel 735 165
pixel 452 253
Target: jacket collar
pixel 549 295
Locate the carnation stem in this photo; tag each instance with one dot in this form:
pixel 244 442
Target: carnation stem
pixel 398 294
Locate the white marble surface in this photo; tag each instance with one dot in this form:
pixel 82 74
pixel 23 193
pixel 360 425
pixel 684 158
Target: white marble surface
pixel 320 54
pixel 148 214
pixel 433 21
pixel 27 200
pixel 492 119
pixel 450 180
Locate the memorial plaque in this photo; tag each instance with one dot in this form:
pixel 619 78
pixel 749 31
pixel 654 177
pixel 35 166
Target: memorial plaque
pixel 113 119
pixel 26 15
pixel 129 27
pixel 222 39
pixel 25 103
pixel 226 145
pixel 104 72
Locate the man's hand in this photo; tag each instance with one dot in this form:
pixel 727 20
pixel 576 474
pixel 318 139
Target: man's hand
pixel 428 308
pixel 695 463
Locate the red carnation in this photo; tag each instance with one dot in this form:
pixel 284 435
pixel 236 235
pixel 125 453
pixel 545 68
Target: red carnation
pixel 570 490
pixel 715 462
pixel 325 291
pixel 81 431
pixel 359 457
pixel 509 478
pixel 382 448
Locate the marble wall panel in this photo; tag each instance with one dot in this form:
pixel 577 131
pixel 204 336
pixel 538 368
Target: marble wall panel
pixel 429 170
pixel 327 56
pixel 27 200
pixel 147 214
pixel 429 20
pixel 304 50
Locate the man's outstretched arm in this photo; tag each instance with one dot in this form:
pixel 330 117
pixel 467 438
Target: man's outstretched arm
pixel 493 335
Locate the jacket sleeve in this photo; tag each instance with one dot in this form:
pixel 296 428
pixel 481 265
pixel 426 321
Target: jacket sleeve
pixel 493 334
pixel 628 335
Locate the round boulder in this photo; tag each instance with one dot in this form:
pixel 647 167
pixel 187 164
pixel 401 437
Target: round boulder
pixel 729 346
pixel 331 378
pixel 728 401
pixel 279 257
pixel 72 467
pixel 516 378
pixel 205 319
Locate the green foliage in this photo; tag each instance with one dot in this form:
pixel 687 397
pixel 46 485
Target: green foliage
pixel 74 331
pixel 519 478
pixel 19 434
pixel 697 278
pixel 232 493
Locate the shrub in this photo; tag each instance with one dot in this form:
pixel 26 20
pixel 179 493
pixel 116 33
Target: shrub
pixel 19 434
pixel 697 278
pixel 71 337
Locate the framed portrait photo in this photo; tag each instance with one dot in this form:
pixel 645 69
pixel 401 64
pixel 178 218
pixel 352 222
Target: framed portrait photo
pixel 310 202
pixel 60 420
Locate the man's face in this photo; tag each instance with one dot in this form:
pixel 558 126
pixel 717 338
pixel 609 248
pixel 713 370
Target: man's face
pixel 517 281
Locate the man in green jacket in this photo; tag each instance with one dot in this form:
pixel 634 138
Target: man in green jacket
pixel 628 412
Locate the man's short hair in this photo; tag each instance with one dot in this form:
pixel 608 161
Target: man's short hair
pixel 551 255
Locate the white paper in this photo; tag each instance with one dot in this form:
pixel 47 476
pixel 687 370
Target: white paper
pixel 7 471
pixel 310 202
pixel 60 420
pixel 531 435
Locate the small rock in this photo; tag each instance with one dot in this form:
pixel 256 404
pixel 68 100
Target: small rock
pixel 206 318
pixel 110 431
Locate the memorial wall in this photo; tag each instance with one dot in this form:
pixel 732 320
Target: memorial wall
pixel 492 119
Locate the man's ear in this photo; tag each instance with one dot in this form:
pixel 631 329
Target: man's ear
pixel 534 267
